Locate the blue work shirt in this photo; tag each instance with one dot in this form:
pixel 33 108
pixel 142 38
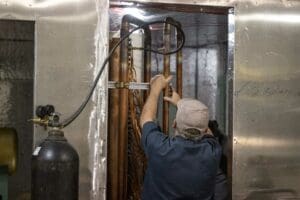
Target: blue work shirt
pixel 179 168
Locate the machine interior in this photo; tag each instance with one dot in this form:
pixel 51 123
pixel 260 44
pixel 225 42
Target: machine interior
pixel 205 66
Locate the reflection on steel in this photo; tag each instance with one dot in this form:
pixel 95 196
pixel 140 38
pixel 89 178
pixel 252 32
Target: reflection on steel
pixel 274 18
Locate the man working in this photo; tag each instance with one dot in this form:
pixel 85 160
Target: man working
pixel 185 166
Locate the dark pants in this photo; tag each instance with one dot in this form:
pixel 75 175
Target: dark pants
pixel 221 187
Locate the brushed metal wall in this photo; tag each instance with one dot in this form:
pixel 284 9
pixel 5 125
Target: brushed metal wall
pixel 71 40
pixel 266 101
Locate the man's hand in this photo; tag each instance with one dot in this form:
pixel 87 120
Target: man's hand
pixel 173 99
pixel 159 82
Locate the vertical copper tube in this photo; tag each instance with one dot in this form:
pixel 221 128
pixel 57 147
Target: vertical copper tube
pixel 124 97
pixel 147 59
pixel 118 111
pixel 166 72
pixel 123 114
pixel 179 65
pixel 113 129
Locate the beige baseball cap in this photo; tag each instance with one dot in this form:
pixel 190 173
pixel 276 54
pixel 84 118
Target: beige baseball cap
pixel 191 114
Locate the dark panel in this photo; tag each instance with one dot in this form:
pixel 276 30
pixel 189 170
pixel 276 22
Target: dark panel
pixel 15 57
pixel 16 96
pixel 16 30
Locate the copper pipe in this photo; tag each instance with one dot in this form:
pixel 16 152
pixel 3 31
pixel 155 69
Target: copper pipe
pixel 147 44
pixel 179 66
pixel 113 129
pixel 166 73
pixel 124 97
pixel 147 59
pixel 123 115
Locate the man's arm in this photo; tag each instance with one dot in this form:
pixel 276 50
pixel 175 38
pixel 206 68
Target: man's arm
pixel 157 84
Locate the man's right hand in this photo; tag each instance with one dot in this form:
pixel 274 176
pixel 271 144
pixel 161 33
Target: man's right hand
pixel 173 99
pixel 159 82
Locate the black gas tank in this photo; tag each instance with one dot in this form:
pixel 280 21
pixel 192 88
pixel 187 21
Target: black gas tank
pixel 55 169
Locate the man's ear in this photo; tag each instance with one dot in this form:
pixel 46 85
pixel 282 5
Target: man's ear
pixel 174 125
pixel 208 131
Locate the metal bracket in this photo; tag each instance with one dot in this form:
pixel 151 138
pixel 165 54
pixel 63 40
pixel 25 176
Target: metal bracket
pixel 128 85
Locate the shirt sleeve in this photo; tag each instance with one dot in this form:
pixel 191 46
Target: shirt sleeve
pixel 152 137
pixel 213 148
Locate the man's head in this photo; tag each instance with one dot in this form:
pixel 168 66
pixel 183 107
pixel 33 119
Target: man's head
pixel 191 118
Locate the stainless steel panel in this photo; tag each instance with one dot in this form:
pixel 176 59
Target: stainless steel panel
pixel 266 101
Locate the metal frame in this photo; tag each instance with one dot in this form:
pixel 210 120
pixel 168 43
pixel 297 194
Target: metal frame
pixel 229 95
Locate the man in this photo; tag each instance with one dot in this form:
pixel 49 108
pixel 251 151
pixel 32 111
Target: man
pixel 185 166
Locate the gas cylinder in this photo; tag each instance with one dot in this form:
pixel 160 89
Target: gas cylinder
pixel 55 169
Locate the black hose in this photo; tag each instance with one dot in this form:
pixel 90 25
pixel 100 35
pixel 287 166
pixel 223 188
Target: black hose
pixel 69 120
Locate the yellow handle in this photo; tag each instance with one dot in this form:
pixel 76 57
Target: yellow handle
pixel 9 149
